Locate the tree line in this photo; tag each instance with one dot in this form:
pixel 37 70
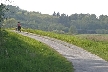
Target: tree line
pixel 60 23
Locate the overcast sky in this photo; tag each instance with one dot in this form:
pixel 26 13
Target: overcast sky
pixel 69 7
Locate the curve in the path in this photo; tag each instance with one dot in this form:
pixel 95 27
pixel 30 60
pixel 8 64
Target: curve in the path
pixel 82 60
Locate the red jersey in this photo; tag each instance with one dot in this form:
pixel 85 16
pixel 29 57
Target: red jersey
pixel 19 24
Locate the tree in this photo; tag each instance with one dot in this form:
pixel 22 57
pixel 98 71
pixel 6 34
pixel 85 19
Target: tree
pixel 58 14
pixel 74 17
pixel 84 23
pixel 64 20
pixel 2 7
pixel 10 23
pixel 54 14
pixel 72 30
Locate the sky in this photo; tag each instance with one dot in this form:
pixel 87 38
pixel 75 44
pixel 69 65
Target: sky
pixel 68 7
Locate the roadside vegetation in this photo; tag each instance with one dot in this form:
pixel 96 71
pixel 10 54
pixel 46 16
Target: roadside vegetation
pixel 22 54
pixel 96 44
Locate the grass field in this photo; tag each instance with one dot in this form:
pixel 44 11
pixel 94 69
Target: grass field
pixel 96 44
pixel 95 37
pixel 23 54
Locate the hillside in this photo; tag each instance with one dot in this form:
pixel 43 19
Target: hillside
pixel 22 54
pixel 60 23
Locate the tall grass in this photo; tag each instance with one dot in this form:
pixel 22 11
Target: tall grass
pixel 93 45
pixel 23 54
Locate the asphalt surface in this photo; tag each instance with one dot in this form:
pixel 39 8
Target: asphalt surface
pixel 82 60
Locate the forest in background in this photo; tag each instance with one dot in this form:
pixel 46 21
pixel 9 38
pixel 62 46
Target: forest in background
pixel 59 23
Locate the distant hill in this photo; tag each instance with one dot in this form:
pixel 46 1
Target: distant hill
pixel 60 23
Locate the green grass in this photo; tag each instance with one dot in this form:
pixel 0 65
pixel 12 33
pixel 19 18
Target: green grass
pixel 92 43
pixel 22 54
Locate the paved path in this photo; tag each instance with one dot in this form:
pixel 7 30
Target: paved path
pixel 82 60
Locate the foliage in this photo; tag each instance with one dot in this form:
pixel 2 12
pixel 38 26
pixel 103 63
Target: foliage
pixel 2 7
pixel 3 34
pixel 84 23
pixel 22 54
pixel 88 42
pixel 72 30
